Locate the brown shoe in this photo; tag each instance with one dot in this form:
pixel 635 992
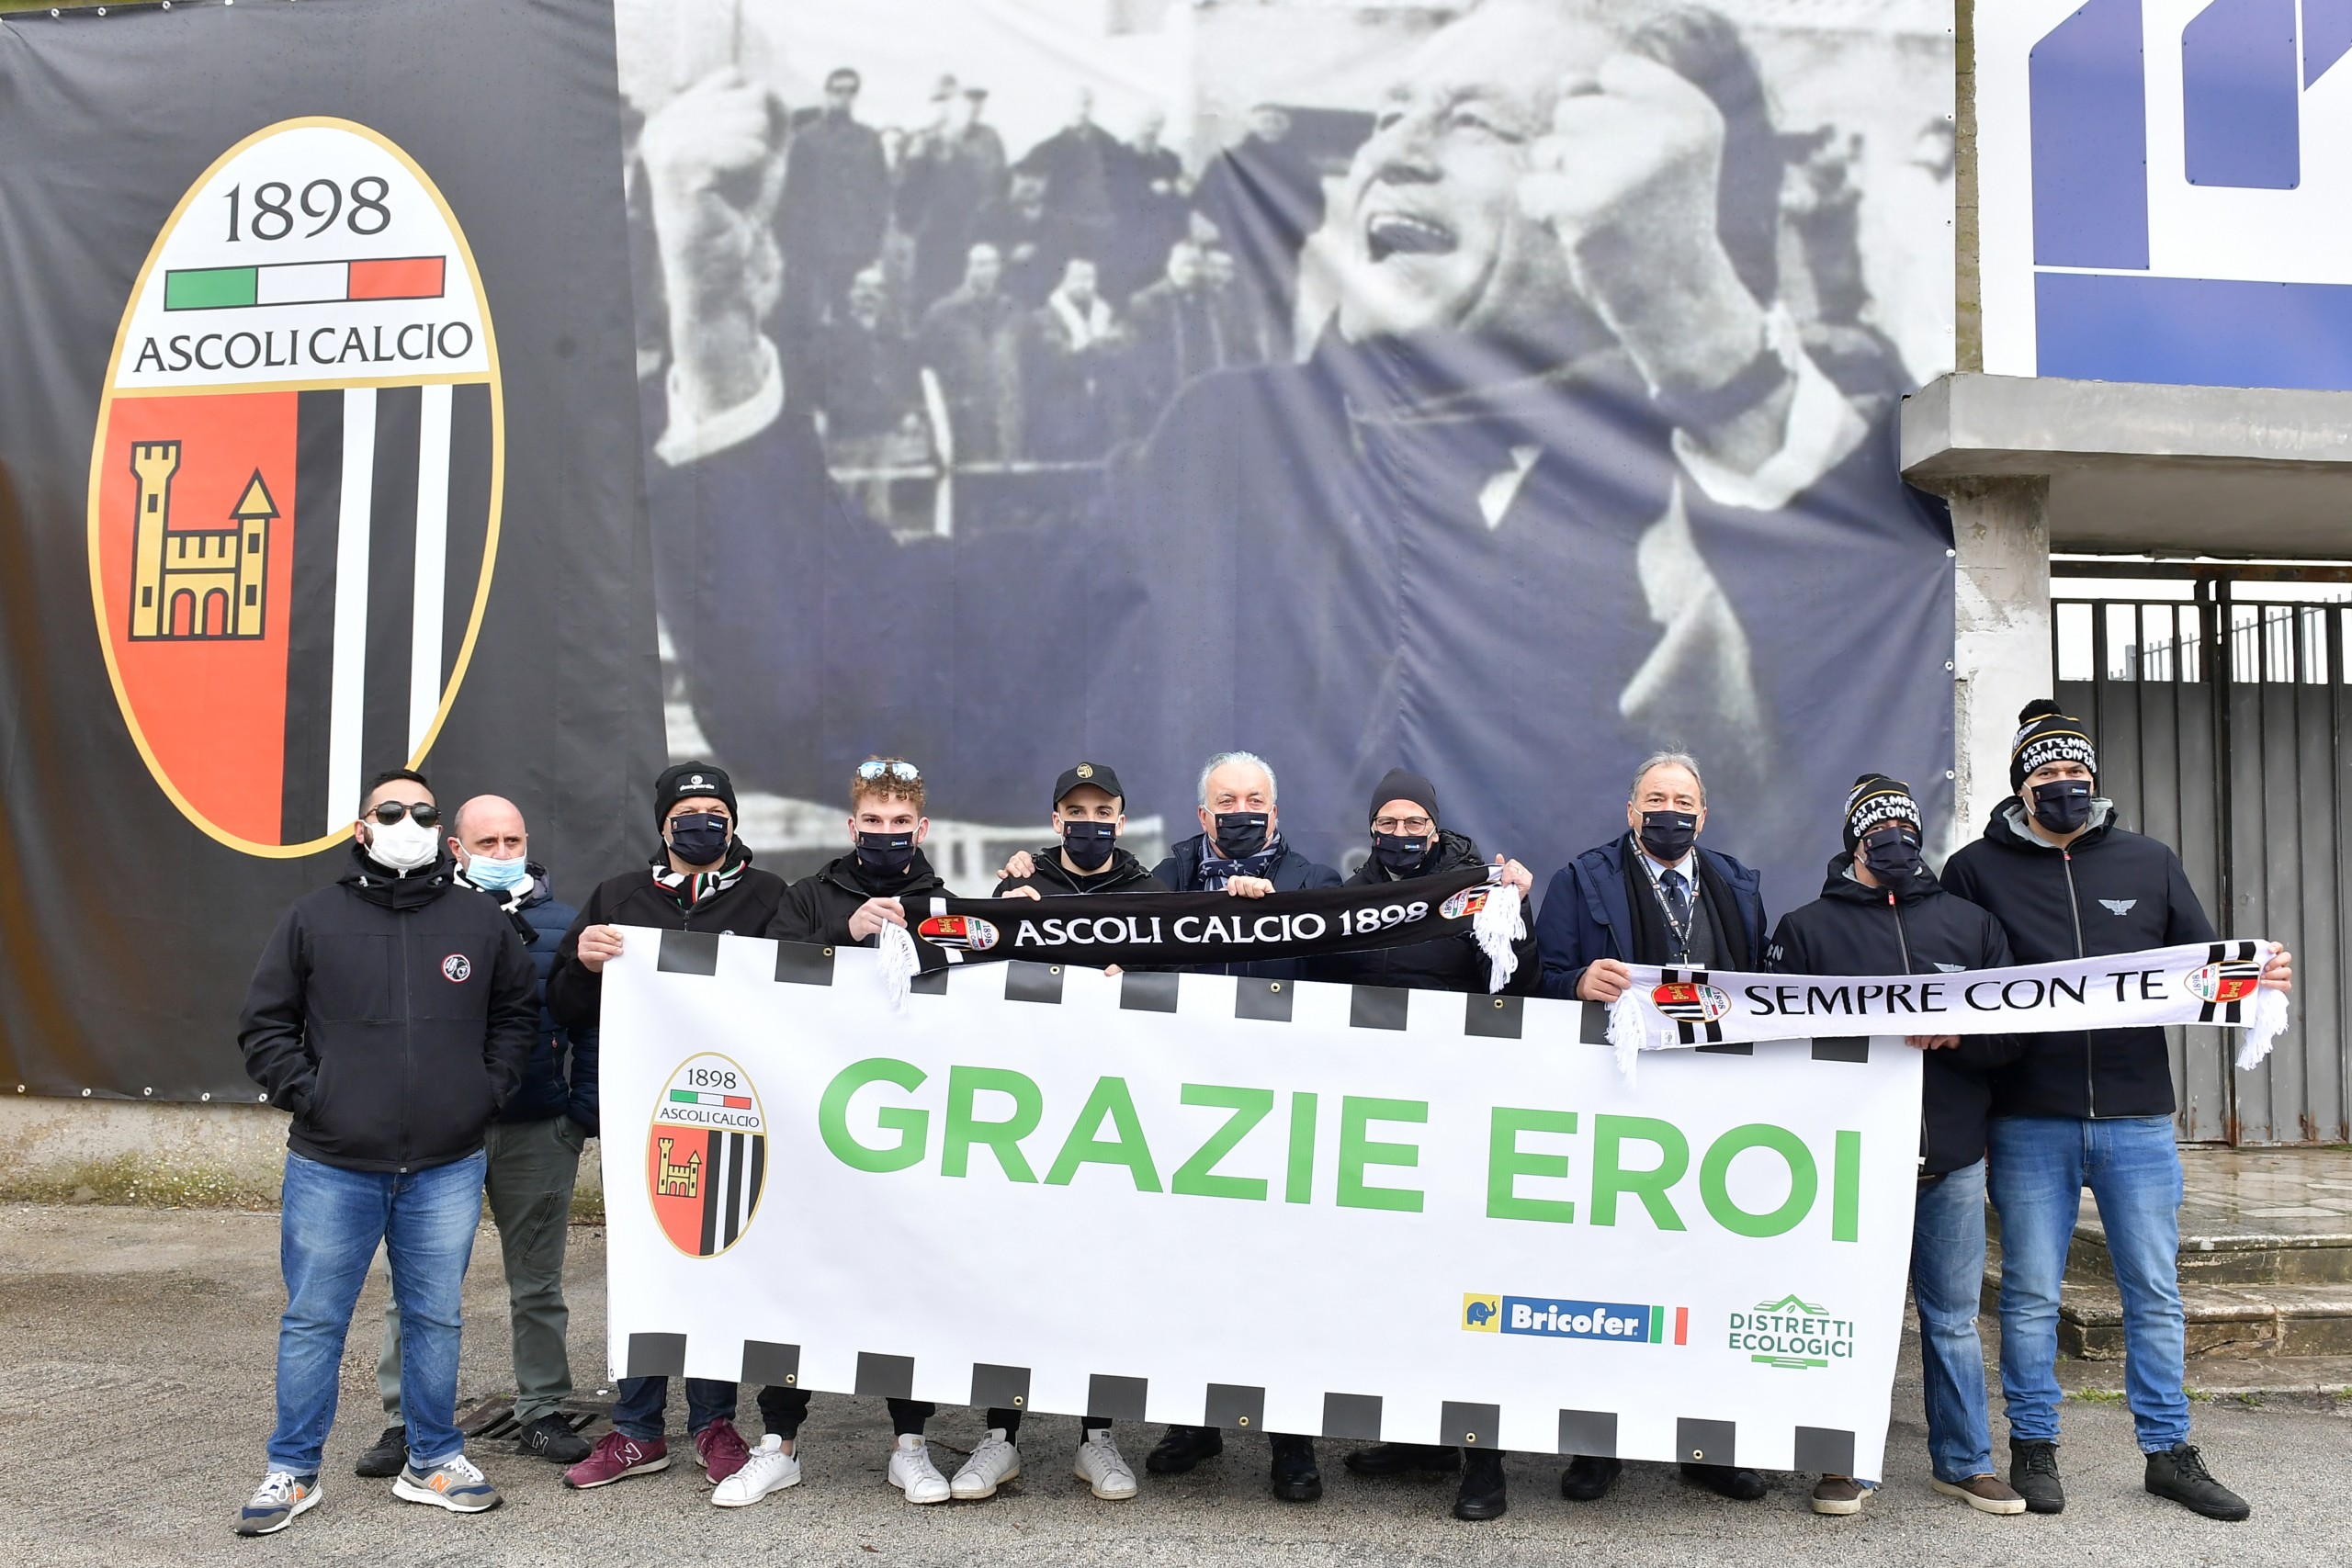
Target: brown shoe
pixel 1988 1494
pixel 1838 1495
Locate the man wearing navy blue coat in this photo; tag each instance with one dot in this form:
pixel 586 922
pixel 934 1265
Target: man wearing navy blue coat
pixel 1559 483
pixel 1651 896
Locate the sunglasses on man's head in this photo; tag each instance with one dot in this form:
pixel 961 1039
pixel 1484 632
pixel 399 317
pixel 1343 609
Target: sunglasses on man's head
pixel 875 769
pixel 387 812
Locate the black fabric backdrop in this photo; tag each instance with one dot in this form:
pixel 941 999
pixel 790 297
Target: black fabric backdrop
pixel 126 934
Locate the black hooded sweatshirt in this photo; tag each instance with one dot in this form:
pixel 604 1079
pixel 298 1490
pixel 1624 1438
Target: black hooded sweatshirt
pixel 1446 964
pixel 743 908
pixel 1052 879
pixel 390 1018
pixel 1916 928
pixel 817 907
pixel 2109 892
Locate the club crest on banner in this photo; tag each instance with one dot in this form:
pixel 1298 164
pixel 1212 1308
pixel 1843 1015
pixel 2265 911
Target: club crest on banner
pixel 294 489
pixel 2226 982
pixel 1469 901
pixel 968 931
pixel 705 1155
pixel 1690 1001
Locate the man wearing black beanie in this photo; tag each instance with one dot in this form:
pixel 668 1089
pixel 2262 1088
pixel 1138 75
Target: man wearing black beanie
pixel 2086 1107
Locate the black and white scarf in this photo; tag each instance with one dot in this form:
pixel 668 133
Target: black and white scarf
pixel 691 888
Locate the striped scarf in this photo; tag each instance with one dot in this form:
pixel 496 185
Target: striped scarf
pixel 691 888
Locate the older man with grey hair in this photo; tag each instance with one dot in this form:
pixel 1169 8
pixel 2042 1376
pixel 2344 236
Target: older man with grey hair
pixel 1650 896
pixel 1240 851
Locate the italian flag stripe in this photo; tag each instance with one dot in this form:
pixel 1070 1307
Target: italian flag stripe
pixel 305 283
pixel 725 1101
pixel 1657 1324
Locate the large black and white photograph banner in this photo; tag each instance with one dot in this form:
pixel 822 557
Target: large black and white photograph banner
pixel 1259 1204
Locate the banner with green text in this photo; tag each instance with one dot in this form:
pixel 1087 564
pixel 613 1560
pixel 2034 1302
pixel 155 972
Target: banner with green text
pixel 1264 1205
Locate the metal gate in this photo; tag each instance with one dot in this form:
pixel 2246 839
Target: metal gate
pixel 2219 718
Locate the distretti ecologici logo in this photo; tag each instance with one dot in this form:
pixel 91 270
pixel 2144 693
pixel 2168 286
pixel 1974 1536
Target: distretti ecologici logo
pixel 1554 1318
pixel 1792 1334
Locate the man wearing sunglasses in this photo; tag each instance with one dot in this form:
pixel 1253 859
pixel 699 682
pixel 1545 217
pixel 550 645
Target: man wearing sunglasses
pixel 847 902
pixel 393 1021
pixel 699 879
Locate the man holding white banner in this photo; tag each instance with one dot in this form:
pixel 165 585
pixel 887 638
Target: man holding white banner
pixel 2089 1108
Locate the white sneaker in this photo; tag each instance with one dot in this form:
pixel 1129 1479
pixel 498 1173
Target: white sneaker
pixel 993 1463
pixel 1102 1467
pixel 913 1472
pixel 769 1469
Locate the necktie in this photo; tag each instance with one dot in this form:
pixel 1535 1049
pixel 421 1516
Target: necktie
pixel 1677 897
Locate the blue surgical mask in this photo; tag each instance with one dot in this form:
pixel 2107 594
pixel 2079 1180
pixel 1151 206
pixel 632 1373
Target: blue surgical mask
pixel 496 876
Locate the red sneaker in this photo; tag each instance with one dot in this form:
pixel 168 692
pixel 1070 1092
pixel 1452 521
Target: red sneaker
pixel 721 1450
pixel 616 1456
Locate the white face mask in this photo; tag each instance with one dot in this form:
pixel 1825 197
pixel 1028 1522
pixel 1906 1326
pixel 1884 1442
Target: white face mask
pixel 404 846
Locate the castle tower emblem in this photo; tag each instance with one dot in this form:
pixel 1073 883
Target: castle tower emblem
pixel 190 584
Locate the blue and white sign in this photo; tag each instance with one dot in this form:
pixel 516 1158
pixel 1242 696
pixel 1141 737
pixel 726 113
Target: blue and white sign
pixel 2166 190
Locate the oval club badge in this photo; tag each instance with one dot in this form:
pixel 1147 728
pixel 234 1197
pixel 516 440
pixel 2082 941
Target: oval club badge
pixel 294 495
pixel 705 1155
pixel 1689 1003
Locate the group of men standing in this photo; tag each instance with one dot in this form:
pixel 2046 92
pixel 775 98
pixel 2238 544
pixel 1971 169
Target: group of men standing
pixel 399 1016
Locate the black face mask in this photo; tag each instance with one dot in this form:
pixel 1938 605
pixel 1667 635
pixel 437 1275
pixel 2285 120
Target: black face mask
pixel 1668 835
pixel 1240 833
pixel 890 853
pixel 1893 856
pixel 1400 853
pixel 698 838
pixel 1088 844
pixel 2063 805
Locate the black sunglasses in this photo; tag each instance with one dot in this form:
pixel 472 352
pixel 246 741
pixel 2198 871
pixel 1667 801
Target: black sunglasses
pixel 424 813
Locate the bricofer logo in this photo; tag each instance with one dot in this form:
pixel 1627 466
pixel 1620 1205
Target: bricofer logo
pixel 1792 1334
pixel 705 1155
pixel 294 488
pixel 1555 1318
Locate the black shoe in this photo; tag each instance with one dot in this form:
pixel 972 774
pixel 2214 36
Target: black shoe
pixel 1588 1478
pixel 1725 1481
pixel 551 1438
pixel 2180 1474
pixel 1480 1495
pixel 2033 1475
pixel 1181 1448
pixel 1295 1478
pixel 386 1457
pixel 1403 1458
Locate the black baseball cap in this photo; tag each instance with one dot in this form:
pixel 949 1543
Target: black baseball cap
pixel 688 780
pixel 1096 774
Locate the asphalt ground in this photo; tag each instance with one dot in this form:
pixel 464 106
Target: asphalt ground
pixel 136 1345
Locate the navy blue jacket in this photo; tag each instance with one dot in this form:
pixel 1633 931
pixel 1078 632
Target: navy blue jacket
pixel 1291 873
pixel 1585 915
pixel 549 1089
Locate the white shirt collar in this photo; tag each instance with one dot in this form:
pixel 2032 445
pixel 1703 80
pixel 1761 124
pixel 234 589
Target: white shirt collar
pixel 1659 867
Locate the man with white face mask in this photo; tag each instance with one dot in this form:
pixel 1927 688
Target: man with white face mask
pixel 533 1150
pixel 394 1020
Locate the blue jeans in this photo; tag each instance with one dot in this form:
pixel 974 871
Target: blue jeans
pixel 331 1223
pixel 2040 1165
pixel 638 1411
pixel 1947 1279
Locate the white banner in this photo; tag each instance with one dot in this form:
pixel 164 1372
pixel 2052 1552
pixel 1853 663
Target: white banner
pixel 1269 1206
pixel 2212 983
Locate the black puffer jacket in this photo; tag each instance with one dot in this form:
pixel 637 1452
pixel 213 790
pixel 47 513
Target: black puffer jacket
pixel 818 907
pixel 1291 873
pixel 1918 930
pixel 392 1016
pixel 1052 879
pixel 2109 892
pixel 1450 963
pixel 633 898
pixel 561 1078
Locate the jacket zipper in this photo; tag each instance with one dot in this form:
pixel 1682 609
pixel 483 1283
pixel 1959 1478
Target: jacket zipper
pixel 408 1036
pixel 1902 946
pixel 2090 1085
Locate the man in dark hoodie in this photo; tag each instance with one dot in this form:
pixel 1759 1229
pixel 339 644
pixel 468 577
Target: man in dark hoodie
pixel 1408 840
pixel 848 901
pixel 532 1153
pixel 699 879
pixel 1651 896
pixel 1882 912
pixel 394 1020
pixel 2086 1107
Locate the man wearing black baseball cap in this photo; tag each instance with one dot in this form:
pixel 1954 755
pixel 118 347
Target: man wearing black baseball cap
pixel 2086 1107
pixel 700 879
pixel 1882 912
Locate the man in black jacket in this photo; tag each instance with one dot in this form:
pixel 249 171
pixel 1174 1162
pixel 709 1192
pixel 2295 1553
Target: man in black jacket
pixel 2065 881
pixel 700 879
pixel 531 1150
pixel 1881 912
pixel 1408 840
pixel 394 1020
pixel 848 901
